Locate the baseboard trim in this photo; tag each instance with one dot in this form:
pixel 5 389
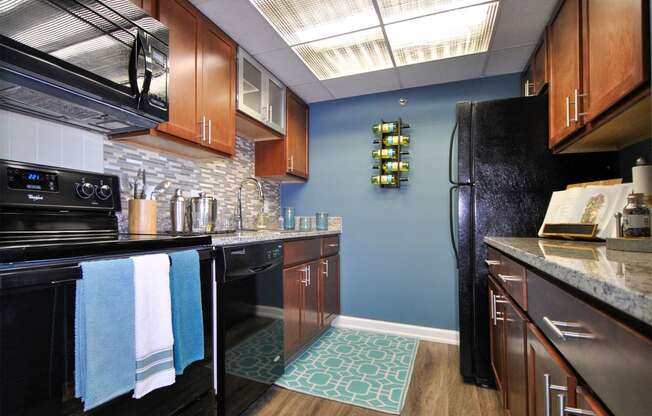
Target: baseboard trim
pixel 442 336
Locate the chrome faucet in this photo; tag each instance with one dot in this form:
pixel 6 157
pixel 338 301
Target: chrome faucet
pixel 261 196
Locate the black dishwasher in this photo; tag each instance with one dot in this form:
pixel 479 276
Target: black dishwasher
pixel 249 325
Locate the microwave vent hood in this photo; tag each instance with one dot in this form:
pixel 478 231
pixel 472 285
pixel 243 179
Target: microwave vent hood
pixel 101 65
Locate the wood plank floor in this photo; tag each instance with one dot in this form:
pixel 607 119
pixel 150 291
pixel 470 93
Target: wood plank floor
pixel 436 389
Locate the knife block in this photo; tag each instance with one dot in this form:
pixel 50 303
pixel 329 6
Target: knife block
pixel 142 216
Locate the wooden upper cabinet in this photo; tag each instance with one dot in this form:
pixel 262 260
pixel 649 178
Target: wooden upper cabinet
pixel 297 136
pixel 287 159
pixel 185 60
pixel 535 77
pixel 615 52
pixel 217 93
pixel 565 49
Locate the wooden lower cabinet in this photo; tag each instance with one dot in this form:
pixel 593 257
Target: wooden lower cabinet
pixel 553 388
pixel 497 336
pixel 292 303
pixel 310 317
pixel 311 295
pixel 508 353
pixel 329 288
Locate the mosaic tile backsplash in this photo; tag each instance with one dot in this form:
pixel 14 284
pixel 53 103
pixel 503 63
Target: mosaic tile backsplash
pixel 219 178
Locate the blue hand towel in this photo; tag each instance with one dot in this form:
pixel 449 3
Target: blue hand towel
pixel 187 320
pixel 105 357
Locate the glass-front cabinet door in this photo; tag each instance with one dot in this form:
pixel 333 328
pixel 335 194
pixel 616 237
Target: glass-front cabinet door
pixel 250 88
pixel 260 95
pixel 275 105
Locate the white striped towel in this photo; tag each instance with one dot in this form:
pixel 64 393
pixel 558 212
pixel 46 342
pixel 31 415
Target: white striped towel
pixel 153 312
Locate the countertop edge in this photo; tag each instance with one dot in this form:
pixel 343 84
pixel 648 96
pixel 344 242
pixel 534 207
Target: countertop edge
pixel 635 305
pixel 261 237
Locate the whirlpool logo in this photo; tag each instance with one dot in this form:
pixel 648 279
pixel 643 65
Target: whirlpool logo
pixel 34 197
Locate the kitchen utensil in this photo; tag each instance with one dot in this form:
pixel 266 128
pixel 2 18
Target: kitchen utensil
pixel 203 213
pixel 288 218
pixel 178 207
pixel 321 220
pixel 142 216
pixel 143 195
pixel 159 189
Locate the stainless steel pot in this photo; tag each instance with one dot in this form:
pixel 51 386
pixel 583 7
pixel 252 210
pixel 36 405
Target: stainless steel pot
pixel 202 211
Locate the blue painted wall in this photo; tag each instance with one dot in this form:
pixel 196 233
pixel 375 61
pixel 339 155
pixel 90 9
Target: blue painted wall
pixel 396 259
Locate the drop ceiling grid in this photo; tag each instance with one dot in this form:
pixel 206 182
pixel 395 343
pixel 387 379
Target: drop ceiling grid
pixel 249 28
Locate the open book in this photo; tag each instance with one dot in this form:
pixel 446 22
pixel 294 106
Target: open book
pixel 588 205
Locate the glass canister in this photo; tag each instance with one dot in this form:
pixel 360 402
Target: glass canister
pixel 321 220
pixel 288 218
pixel 305 224
pixel 636 217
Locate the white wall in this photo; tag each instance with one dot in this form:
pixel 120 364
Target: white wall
pixel 29 139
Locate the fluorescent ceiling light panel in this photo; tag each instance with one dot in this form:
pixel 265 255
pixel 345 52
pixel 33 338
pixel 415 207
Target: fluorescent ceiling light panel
pixel 396 10
pixel 302 21
pixel 349 54
pixel 458 32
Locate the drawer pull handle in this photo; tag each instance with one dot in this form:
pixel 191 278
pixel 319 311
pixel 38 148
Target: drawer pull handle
pixel 506 278
pixel 554 325
pixel 564 410
pixel 492 262
pixel 333 245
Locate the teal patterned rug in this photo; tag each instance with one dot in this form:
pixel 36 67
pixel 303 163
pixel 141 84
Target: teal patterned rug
pixel 360 368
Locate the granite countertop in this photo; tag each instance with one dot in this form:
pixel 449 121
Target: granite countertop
pixel 620 279
pixel 244 237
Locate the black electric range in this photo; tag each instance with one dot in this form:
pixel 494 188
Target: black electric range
pixel 51 220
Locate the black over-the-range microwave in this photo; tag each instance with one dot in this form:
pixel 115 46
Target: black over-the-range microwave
pixel 97 64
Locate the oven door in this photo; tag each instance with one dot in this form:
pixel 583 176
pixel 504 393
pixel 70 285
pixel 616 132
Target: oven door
pixel 96 64
pixel 37 351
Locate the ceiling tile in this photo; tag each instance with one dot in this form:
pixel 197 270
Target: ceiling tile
pixel 287 66
pixel 521 22
pixel 507 61
pixel 360 84
pixel 312 92
pixel 301 21
pixel 445 70
pixel 395 10
pixel 240 20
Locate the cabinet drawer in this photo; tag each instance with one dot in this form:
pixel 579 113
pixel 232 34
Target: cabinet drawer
pixel 615 361
pixel 301 251
pixel 510 274
pixel 330 246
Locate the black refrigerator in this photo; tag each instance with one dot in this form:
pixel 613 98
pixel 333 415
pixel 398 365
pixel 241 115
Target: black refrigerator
pixel 502 176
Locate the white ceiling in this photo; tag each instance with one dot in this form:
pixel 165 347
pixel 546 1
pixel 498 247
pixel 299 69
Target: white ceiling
pixel 518 27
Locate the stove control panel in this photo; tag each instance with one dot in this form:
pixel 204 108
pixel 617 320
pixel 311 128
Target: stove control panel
pixel 33 186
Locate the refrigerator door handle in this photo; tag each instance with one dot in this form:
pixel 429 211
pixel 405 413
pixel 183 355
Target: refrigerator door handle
pixel 450 159
pixel 451 225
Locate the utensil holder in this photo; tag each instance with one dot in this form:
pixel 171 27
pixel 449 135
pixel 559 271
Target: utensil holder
pixel 142 216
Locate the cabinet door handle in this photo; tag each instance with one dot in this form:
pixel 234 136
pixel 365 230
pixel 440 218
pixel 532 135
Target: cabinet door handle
pixel 493 308
pixel 564 410
pixel 210 131
pixel 567 111
pixel 306 280
pixel 492 262
pixel 577 96
pixel 507 278
pixel 554 325
pixel 325 263
pixel 291 163
pixel 548 387
pixel 203 128
pixel 263 113
pixel 269 113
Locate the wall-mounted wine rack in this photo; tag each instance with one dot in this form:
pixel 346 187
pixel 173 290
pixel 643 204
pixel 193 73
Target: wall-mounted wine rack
pixel 392 166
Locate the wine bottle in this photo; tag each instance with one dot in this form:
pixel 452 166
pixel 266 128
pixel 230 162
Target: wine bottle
pixel 386 180
pixel 396 167
pixel 383 128
pixel 394 140
pixel 386 154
